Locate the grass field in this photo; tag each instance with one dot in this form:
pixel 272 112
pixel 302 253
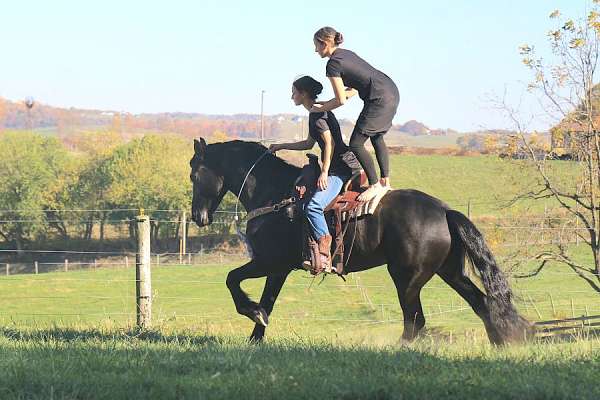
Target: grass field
pixel 71 335
pixel 97 364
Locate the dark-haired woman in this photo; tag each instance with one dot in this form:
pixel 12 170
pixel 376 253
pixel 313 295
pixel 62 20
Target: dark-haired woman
pixel 338 162
pixel 349 74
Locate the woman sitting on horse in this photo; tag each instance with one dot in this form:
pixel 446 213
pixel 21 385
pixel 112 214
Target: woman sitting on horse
pixel 338 162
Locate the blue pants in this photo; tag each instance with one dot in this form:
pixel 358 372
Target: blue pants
pixel 321 199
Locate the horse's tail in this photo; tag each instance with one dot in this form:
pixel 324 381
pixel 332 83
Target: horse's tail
pixel 503 315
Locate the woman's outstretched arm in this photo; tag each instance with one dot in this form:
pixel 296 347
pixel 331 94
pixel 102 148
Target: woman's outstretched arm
pixel 305 144
pixel 341 95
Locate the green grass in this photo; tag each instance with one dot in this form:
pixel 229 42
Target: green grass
pixel 97 364
pixel 71 335
pixel 334 340
pixel 488 181
pixel 196 298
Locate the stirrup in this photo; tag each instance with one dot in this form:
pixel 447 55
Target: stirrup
pixel 328 267
pixel 307 265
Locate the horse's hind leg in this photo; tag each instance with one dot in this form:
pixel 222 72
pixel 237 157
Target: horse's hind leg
pixel 452 273
pixel 409 283
pixel 273 286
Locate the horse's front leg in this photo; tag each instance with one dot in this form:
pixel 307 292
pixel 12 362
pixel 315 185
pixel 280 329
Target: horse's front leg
pixel 243 304
pixel 272 288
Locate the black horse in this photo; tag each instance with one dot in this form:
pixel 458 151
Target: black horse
pixel 415 234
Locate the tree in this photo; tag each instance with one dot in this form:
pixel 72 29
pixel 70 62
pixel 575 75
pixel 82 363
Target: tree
pixel 29 183
pixel 567 92
pixel 150 173
pixel 2 112
pixel 491 143
pixel 218 136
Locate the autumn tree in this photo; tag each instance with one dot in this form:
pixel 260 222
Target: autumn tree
pixel 218 136
pixel 2 112
pixel 566 89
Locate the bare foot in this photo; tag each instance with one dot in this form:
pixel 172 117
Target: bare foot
pixel 370 192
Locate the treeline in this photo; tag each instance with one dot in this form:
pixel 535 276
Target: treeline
pixel 67 121
pixel 504 143
pixel 45 186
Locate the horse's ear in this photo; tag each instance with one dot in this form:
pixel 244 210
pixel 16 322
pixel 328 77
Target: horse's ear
pixel 199 146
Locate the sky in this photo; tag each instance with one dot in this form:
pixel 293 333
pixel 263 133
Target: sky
pixel 215 57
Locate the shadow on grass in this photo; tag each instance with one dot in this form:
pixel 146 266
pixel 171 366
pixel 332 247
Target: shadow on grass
pixel 93 364
pixel 572 337
pixel 77 335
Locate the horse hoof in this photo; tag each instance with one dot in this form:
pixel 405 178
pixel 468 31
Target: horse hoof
pixel 255 339
pixel 260 317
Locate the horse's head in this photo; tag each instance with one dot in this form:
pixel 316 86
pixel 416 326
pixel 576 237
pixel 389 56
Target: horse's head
pixel 208 184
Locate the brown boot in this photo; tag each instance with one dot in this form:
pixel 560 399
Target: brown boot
pixel 325 250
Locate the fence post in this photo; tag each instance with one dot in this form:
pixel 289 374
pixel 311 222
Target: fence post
pixel 183 232
pixel 180 251
pixel 35 264
pixel 126 262
pixel 66 265
pixel 7 269
pixel 95 264
pixel 143 283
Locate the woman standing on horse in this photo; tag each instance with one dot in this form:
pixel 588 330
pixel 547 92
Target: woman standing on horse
pixel 338 162
pixel 349 74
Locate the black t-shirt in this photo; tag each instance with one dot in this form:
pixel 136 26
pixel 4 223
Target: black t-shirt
pixel 343 161
pixel 358 74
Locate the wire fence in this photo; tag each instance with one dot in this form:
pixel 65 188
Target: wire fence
pixel 531 230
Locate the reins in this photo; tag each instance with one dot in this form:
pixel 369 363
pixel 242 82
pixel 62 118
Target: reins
pixel 236 218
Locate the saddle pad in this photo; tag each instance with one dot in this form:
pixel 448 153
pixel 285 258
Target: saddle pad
pixel 369 207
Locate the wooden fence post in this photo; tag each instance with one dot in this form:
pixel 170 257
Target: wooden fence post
pixel 7 269
pixel 143 283
pixel 66 265
pixel 35 264
pixel 183 234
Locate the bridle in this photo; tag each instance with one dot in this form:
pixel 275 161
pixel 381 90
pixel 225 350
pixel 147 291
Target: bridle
pixel 244 183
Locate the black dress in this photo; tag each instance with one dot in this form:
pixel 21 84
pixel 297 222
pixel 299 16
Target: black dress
pixel 343 161
pixel 375 88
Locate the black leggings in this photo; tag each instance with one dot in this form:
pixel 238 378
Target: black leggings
pixel 357 145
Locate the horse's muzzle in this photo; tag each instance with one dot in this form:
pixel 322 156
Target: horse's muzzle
pixel 201 218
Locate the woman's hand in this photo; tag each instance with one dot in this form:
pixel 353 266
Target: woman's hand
pixel 316 108
pixel 274 148
pixel 322 181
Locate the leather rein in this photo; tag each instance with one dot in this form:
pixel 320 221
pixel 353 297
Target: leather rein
pixel 262 210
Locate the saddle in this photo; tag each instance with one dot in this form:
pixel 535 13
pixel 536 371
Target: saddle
pixel 344 204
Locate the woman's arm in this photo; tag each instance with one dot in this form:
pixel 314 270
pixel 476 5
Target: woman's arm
pixel 340 96
pixel 306 144
pixel 349 94
pixel 327 155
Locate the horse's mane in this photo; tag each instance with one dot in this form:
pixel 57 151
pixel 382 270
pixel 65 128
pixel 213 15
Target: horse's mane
pixel 250 152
